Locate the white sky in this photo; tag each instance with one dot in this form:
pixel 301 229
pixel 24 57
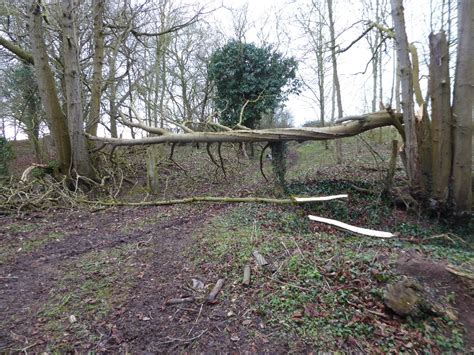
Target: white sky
pixel 356 89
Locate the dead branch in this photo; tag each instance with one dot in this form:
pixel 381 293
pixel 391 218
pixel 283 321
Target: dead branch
pixel 197 199
pixel 353 229
pixel 259 258
pixel 212 296
pixel 219 152
pixel 208 149
pixel 173 301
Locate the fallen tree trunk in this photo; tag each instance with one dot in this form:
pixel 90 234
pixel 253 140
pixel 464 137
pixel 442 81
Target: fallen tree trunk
pixel 350 127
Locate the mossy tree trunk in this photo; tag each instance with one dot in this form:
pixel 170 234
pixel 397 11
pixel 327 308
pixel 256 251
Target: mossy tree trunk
pixel 279 150
pixel 47 88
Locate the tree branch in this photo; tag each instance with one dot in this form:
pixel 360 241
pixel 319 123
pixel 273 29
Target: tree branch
pixel 19 52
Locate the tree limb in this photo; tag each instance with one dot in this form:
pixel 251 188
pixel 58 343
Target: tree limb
pixel 363 123
pixel 19 52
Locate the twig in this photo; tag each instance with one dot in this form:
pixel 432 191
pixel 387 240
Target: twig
pixel 172 340
pixel 173 301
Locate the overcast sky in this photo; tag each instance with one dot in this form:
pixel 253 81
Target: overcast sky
pixel 356 88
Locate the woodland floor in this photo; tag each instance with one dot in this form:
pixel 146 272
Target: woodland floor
pixel 93 279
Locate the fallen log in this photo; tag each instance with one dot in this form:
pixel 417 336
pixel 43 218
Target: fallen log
pixel 354 125
pixel 196 199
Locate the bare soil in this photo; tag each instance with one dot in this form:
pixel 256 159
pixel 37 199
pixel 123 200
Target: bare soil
pixel 140 322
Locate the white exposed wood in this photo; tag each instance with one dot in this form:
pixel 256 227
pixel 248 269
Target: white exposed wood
pixel 353 229
pixel 180 300
pixel 246 278
pixel 259 258
pixel 321 198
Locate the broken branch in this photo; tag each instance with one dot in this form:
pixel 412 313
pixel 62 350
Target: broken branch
pixel 212 296
pixel 353 229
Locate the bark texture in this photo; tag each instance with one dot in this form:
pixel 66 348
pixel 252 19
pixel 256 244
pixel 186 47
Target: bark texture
pixel 81 163
pixel 406 79
pixel 440 92
pixel 463 110
pixel 47 88
pixel 98 62
pixel 351 126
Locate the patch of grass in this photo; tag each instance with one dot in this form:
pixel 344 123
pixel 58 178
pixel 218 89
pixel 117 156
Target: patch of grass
pixel 33 244
pixel 311 155
pixel 16 228
pixel 15 243
pixel 90 288
pixel 325 289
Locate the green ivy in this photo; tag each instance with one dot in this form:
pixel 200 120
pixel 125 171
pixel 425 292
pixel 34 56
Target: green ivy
pixel 244 72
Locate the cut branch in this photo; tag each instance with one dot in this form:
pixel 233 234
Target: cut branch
pixel 353 229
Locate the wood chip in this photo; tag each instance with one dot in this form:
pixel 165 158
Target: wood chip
pixel 246 278
pixel 260 259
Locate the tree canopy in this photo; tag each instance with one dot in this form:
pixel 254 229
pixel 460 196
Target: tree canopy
pixel 259 76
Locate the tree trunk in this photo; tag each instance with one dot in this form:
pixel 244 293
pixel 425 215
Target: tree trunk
pixel 279 150
pixel 335 76
pixel 422 126
pixel 47 89
pixel 113 94
pixel 463 110
pixel 406 79
pixel 440 92
pixel 97 64
pixel 351 126
pixel 80 156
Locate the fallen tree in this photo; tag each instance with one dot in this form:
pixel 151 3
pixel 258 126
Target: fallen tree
pixel 348 127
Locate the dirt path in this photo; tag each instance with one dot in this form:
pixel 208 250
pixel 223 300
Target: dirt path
pixel 54 285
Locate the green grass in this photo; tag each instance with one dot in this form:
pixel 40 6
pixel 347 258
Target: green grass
pixel 15 244
pixel 321 284
pixel 90 288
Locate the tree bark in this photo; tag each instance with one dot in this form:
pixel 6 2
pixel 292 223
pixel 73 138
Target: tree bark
pixel 81 163
pixel 463 110
pixel 97 64
pixel 47 89
pixel 440 92
pixel 406 79
pixel 335 78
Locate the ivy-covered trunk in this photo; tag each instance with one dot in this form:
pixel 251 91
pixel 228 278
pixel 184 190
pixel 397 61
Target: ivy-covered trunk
pixel 279 150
